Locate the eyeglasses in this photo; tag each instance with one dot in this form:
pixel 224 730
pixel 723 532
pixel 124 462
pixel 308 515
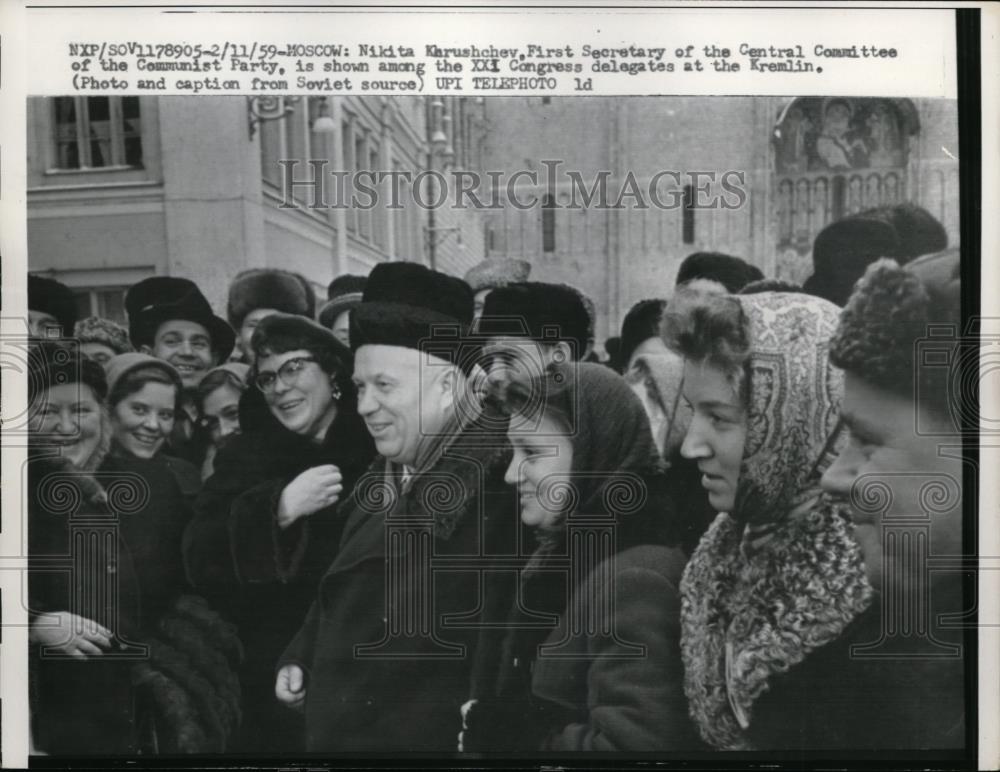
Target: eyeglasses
pixel 289 373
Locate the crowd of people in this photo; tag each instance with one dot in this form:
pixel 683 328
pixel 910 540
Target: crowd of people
pixel 427 517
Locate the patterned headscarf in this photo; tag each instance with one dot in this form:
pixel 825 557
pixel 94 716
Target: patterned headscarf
pixel 781 575
pixel 795 395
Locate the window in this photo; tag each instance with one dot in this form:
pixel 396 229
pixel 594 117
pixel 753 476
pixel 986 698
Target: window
pixel 378 235
pixel 292 138
pixel 687 223
pixel 97 133
pixel 106 302
pixel 363 216
pixel 548 223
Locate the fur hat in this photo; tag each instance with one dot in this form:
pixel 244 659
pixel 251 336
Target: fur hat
pixel 52 297
pixel 496 272
pixel 408 305
pixel 733 273
pixel 548 313
pixel 95 329
pixel 917 231
pixel 343 294
pixel 160 299
pixel 283 291
pixel 890 310
pixel 842 251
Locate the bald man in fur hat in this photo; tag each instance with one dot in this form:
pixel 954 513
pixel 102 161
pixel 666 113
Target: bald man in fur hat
pixel 374 667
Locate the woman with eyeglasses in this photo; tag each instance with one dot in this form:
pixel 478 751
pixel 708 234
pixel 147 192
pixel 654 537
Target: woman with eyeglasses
pixel 266 524
pixel 218 397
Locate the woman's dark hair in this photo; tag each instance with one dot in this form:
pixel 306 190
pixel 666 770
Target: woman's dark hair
pixel 712 329
pixel 641 323
pixel 281 333
pixel 216 380
pixel 134 380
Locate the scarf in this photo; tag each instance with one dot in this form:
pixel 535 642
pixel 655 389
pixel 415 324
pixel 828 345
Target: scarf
pixel 782 574
pixel 616 478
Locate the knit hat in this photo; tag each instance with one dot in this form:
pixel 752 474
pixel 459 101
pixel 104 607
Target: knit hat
pixel 95 329
pixel 891 312
pixel 52 297
pixel 238 370
pixel 283 291
pixel 842 251
pixel 408 305
pixel 496 272
pixel 123 364
pixel 160 299
pixel 548 313
pixel 343 294
pixel 54 363
pixel 732 272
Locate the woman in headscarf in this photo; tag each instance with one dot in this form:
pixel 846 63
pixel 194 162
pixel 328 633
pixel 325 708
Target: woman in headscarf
pixel 607 675
pixel 778 578
pixel 266 524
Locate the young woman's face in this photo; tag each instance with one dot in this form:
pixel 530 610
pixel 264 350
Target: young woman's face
pixel 69 415
pixel 142 421
pixel 540 468
pixel 717 432
pixel 220 412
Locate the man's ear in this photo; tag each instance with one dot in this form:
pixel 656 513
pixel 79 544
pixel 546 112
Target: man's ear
pixel 144 349
pixel 449 386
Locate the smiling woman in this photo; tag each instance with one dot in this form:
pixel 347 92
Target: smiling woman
pixel 142 397
pixel 267 525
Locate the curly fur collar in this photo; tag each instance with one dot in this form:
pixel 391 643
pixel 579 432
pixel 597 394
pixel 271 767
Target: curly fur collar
pixel 747 617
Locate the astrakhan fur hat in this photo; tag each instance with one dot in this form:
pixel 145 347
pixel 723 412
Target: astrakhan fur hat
pixel 893 315
pixel 496 272
pixel 547 313
pixel 283 291
pixel 95 329
pixel 411 306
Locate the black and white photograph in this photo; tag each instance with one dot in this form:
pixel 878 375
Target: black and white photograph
pixel 525 418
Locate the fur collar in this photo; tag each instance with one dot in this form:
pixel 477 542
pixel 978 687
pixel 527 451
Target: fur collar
pixel 746 617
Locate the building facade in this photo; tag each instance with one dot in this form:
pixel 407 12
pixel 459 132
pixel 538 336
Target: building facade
pixel 120 188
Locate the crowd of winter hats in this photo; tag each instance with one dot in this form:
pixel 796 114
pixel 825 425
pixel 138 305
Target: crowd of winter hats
pixel 407 304
pixel 844 249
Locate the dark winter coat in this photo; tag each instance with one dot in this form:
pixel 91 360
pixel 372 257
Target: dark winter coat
pixel 913 701
pixel 377 681
pixel 261 577
pixel 80 706
pixel 153 525
pixel 608 677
